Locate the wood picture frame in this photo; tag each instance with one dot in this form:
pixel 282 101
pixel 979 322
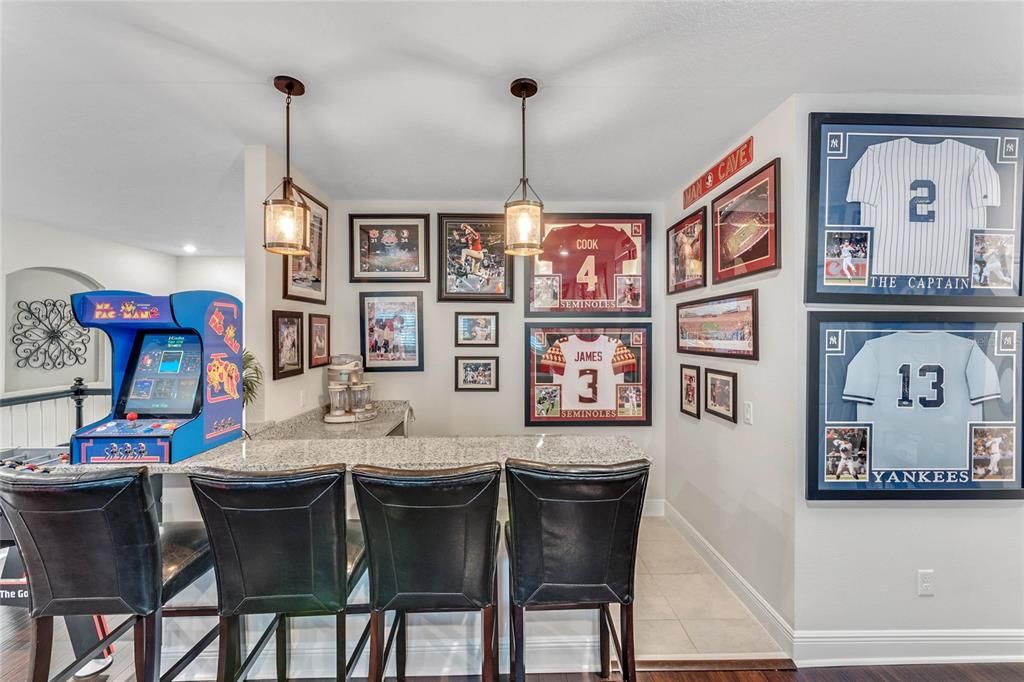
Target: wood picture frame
pixel 476 330
pixel 472 369
pixel 304 278
pixel 724 326
pixel 286 337
pixel 720 394
pixel 686 266
pixel 689 390
pixel 389 247
pixel 391 331
pixel 745 223
pixel 471 261
pixel 319 340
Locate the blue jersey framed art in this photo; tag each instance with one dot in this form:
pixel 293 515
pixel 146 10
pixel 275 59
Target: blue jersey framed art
pixel 910 209
pixel 914 405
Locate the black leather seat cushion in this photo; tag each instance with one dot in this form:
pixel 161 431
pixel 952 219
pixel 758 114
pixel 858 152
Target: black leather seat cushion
pixel 185 551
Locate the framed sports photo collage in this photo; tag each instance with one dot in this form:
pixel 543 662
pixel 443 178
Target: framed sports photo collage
pixel 924 211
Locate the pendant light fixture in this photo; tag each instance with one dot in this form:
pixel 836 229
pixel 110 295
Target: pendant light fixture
pixel 524 210
pixel 285 220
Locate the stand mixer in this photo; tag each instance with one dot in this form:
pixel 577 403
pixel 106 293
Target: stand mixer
pixel 351 397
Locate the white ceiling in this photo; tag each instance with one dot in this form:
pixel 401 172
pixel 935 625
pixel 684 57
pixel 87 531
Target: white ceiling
pixel 129 119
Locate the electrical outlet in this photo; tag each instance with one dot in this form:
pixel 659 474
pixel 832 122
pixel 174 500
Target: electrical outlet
pixel 925 582
pixel 748 413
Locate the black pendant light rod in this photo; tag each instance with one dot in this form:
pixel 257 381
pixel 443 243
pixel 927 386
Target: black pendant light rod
pixel 290 87
pixel 524 178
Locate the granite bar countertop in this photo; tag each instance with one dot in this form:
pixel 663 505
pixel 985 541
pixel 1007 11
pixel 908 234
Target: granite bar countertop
pixel 311 425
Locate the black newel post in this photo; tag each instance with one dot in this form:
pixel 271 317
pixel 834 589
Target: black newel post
pixel 78 396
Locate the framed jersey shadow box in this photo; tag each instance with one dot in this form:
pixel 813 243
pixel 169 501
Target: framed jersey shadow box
pixel 913 209
pixel 914 405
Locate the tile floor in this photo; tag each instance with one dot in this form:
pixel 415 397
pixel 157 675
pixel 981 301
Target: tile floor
pixel 683 610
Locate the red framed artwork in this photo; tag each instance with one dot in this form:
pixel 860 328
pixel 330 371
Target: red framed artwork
pixel 687 265
pixel 745 226
pixel 587 374
pixel 592 265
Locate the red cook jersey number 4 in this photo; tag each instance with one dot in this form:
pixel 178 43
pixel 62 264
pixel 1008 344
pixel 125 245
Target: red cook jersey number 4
pixel 588 258
pixel 588 371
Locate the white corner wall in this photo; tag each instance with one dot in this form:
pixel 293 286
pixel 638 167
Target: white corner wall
pixel 835 581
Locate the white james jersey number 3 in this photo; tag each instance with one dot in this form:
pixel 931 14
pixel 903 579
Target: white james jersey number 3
pixel 588 370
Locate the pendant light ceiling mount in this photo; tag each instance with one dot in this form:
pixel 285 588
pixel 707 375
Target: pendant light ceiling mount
pixel 286 220
pixel 523 88
pixel 290 86
pixel 524 214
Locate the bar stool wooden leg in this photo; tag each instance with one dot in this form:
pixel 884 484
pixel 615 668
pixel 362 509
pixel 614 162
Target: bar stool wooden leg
pixel 400 654
pixel 606 657
pixel 282 649
pixel 41 648
pixel 517 634
pixel 147 647
pixel 487 643
pixel 229 657
pixel 341 651
pixel 628 652
pixel 376 662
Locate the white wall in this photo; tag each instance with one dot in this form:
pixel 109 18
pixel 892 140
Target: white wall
pixel 212 273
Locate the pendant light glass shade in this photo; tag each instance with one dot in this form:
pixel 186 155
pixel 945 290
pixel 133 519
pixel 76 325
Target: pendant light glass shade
pixel 524 210
pixel 286 227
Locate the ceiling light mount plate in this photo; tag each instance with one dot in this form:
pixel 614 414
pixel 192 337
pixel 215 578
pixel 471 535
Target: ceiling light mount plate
pixel 289 85
pixel 523 87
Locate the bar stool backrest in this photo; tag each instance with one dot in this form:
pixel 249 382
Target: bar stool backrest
pixel 431 536
pixel 90 541
pixel 278 539
pixel 573 531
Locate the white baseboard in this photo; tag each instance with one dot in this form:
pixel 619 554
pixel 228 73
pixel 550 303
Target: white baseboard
pixel 821 648
pixel 654 507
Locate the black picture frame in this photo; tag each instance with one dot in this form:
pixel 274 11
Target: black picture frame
pixel 645 308
pixel 682 390
pixel 363 330
pixel 311 320
pixel 491 358
pixel 623 327
pixel 734 379
pixel 316 206
pixel 461 343
pixel 814 246
pixel 278 316
pixel 815 320
pixel 701 214
pixel 755 332
pixel 354 247
pixel 443 294
pixel 774 256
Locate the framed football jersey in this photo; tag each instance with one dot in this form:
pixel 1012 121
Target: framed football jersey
pixel 582 374
pixel 907 209
pixel 914 405
pixel 592 265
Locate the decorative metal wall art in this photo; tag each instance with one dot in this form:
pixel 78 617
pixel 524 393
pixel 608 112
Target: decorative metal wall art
pixel 46 336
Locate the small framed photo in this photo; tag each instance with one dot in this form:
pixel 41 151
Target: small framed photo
pixel 745 226
pixel 689 390
pixel 319 340
pixel 472 262
pixel 723 326
pixel 392 247
pixel 720 394
pixel 476 329
pixel 392 331
pixel 687 267
pixel 305 277
pixel 287 339
pixel 476 373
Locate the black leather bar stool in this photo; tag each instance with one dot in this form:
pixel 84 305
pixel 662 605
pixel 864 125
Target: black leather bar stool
pixel 432 542
pixel 92 545
pixel 572 537
pixel 282 546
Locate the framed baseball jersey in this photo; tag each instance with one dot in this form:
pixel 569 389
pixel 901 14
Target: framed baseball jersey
pixel 915 209
pixel 914 405
pixel 588 375
pixel 592 265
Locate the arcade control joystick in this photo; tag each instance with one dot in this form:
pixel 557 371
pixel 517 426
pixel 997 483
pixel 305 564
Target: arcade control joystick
pixel 132 418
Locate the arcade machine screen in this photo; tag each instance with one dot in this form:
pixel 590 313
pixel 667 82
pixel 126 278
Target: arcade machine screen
pixel 165 376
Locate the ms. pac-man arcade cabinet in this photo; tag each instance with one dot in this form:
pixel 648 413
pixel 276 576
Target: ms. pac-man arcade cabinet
pixel 176 375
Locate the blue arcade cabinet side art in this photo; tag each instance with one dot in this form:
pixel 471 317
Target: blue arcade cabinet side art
pixel 176 375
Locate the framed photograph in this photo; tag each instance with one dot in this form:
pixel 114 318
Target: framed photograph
pixel 689 390
pixel 319 340
pixel 724 326
pixel 587 374
pixel 472 261
pixel 287 339
pixel 909 209
pixel 476 373
pixel 592 265
pixel 720 394
pixel 305 277
pixel 745 226
pixel 392 247
pixel 687 267
pixel 476 329
pixel 392 331
pixel 914 405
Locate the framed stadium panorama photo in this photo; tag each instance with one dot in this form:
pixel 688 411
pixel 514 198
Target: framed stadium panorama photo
pixel 472 259
pixel 586 374
pixel 907 209
pixel 389 248
pixel 687 267
pixel 722 326
pixel 745 226
pixel 592 265
pixel 914 405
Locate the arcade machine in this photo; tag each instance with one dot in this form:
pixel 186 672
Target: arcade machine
pixel 177 375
